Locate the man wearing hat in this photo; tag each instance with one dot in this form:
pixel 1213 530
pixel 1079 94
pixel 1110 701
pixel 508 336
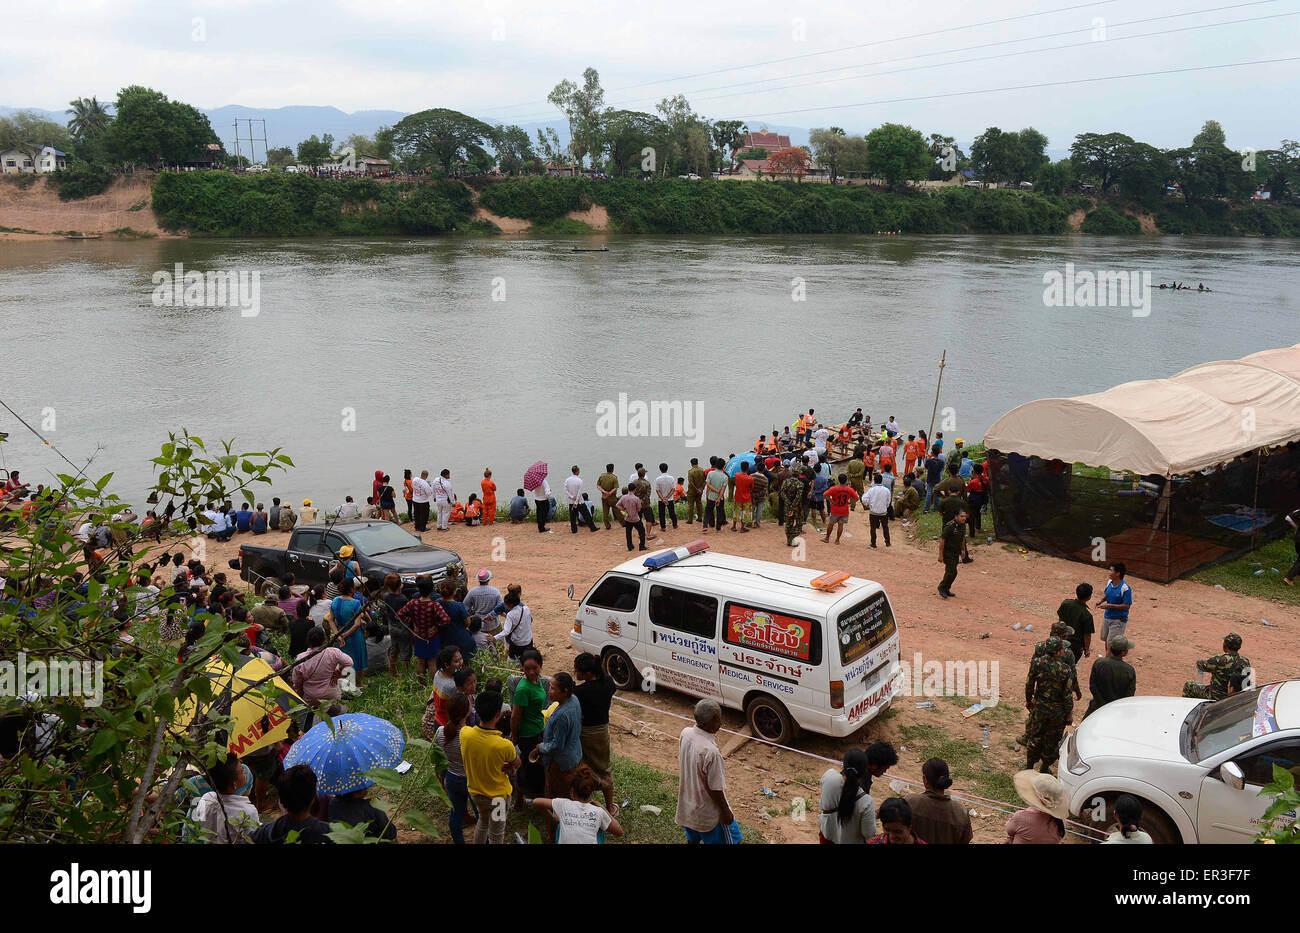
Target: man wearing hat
pixel 1042 822
pixel 485 602
pixel 1112 677
pixel 309 512
pixel 1048 690
pixel 1221 669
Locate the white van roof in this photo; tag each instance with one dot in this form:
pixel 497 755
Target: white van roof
pixel 748 580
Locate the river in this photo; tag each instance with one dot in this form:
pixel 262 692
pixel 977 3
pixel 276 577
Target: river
pixel 370 354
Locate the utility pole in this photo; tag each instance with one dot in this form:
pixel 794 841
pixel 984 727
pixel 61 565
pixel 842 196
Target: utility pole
pixel 942 362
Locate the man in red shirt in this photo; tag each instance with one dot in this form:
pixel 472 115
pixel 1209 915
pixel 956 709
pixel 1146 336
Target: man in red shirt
pixel 744 501
pixel 839 498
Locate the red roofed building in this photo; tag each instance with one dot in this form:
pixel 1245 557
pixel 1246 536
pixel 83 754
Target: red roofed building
pixel 764 140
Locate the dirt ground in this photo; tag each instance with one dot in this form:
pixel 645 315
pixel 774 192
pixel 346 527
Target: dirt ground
pixel 1172 626
pixel 37 208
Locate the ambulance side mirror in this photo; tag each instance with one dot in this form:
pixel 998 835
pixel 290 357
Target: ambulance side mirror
pixel 1232 775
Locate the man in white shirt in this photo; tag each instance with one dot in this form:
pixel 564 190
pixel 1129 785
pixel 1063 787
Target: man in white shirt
pixel 349 510
pixel 702 808
pixel 636 474
pixel 578 513
pixel 665 486
pixel 542 500
pixel 877 500
pixel 443 496
pixel 421 494
pixel 820 436
pixel 892 427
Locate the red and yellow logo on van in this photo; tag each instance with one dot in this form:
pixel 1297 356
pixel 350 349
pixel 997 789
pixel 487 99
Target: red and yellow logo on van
pixel 768 631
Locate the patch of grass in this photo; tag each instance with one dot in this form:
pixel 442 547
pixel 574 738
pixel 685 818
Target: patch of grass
pixel 15 229
pixel 1003 714
pixel 478 228
pixel 138 207
pixel 966 760
pixel 132 233
pixel 1239 575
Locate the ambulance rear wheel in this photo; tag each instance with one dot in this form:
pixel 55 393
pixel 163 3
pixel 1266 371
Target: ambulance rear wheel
pixel 620 669
pixel 769 720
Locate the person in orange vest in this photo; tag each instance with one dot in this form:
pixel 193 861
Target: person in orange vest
pixel 457 512
pixel 489 498
pixel 679 491
pixel 846 435
pixel 473 510
pixel 771 442
pixel 761 444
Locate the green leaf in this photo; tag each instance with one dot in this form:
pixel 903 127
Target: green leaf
pixel 534 835
pixel 422 822
pixel 103 741
pixel 345 835
pixel 386 778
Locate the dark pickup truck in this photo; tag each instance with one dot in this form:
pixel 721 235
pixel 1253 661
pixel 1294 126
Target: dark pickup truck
pixel 379 547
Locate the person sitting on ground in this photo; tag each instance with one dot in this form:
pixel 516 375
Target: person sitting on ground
pixel 579 821
pixel 354 809
pixel 1128 822
pixel 518 507
pixel 848 814
pixel 473 511
pixel 260 523
pixel 896 825
pixel 297 787
pixel 348 511
pixel 225 816
pixel 309 512
pixel 936 817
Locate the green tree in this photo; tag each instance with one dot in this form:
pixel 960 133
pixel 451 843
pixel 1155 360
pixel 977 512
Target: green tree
pixel 582 105
pixel 1143 174
pixel 26 129
pixel 627 134
pixel 828 146
pixel 439 138
pixel 727 135
pixel 897 153
pixel 279 157
pixel 1100 156
pixel 677 117
pixel 947 155
pixel 89 118
pixel 109 773
pixel 1055 177
pixel 313 151
pixel 148 128
pixel 1280 170
pixel 513 148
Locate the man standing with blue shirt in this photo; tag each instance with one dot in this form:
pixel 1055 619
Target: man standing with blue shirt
pixel 1116 601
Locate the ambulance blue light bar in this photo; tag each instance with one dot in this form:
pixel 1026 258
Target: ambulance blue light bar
pixel 676 554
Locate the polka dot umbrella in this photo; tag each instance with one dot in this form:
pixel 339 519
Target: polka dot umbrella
pixel 341 756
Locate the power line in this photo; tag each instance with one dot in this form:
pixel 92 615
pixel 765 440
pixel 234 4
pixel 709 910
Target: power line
pixel 847 48
pixel 969 48
pixel 987 58
pixel 1045 84
pixel 986 45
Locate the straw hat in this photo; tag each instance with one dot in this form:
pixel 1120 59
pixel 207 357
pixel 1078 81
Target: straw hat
pixel 1042 791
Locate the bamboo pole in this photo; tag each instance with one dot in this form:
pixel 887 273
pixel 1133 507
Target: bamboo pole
pixel 942 362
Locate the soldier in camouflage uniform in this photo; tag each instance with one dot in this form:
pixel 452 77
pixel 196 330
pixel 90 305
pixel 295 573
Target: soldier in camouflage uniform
pixel 792 503
pixel 1059 630
pixel 1048 697
pixel 1221 669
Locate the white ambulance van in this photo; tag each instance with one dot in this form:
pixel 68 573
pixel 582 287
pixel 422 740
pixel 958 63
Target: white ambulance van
pixel 793 647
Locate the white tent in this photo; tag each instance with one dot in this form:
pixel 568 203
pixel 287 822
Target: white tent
pixel 1200 417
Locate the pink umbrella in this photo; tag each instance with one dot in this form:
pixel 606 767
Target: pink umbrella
pixel 536 473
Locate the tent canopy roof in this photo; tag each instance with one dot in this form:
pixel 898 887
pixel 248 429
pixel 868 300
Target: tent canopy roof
pixel 1198 418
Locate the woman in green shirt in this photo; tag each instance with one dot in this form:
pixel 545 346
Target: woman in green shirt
pixel 526 724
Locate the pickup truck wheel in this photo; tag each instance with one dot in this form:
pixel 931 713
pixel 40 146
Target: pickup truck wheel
pixel 769 720
pixel 1162 830
pixel 269 587
pixel 620 669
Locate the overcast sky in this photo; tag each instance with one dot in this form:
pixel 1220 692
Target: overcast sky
pixel 498 60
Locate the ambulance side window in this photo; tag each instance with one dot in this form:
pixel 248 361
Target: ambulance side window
pixel 684 611
pixel 617 593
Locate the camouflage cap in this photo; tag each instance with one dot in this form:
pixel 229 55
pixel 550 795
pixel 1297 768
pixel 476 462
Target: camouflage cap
pixel 1053 645
pixel 1232 641
pixel 1061 630
pixel 1120 643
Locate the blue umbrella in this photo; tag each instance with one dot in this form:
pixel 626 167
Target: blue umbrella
pixel 733 465
pixel 342 756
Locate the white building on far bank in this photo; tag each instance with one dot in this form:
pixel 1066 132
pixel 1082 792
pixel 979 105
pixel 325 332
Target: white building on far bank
pixel 25 159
